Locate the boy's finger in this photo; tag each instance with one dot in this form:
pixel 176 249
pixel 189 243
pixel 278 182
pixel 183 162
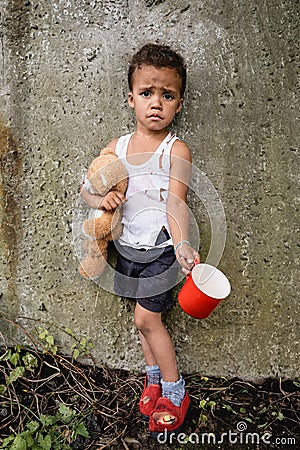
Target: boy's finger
pixel 120 195
pixel 184 262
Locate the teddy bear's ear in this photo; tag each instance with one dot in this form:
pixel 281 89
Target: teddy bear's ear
pixel 107 151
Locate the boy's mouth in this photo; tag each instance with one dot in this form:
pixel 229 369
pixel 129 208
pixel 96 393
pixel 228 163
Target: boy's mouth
pixel 155 117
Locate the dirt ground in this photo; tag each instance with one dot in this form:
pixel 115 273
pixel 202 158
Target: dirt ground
pixel 234 414
pixel 225 413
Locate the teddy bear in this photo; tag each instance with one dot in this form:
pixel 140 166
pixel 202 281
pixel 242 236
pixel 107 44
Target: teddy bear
pixel 105 173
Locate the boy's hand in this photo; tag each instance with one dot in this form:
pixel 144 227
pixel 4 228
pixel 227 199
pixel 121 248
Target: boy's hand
pixel 109 202
pixel 92 200
pixel 186 256
pixel 112 200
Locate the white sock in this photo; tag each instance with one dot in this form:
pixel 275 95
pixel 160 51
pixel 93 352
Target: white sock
pixel 174 390
pixel 153 375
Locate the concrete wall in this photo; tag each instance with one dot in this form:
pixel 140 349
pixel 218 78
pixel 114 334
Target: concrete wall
pixel 63 97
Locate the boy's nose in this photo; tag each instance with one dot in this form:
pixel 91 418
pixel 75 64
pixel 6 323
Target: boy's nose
pixel 156 103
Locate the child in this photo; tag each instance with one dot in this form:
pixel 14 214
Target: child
pixel 156 224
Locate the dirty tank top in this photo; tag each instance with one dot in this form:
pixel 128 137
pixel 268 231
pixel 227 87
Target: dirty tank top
pixel 145 222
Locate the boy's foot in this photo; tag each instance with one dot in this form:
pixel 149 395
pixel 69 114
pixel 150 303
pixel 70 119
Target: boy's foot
pixel 149 397
pixel 166 417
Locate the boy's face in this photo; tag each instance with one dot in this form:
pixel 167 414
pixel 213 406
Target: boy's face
pixel 155 97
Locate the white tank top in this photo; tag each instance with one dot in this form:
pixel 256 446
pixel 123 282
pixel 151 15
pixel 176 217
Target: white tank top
pixel 144 213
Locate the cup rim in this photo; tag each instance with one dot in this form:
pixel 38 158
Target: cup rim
pixel 208 283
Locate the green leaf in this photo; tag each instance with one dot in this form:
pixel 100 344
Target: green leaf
pixel 83 342
pixel 54 350
pixel 3 389
pixel 75 353
pixel 28 437
pixel 47 420
pixel 203 419
pixel 81 430
pixel 211 404
pixel 30 361
pixel 264 425
pixel 228 407
pixel 66 413
pixel 202 403
pixel 19 443
pixel 42 333
pixel 32 426
pixel 15 359
pixel 69 331
pixel 280 416
pixel 15 374
pixel 45 443
pixel 50 339
pixel 7 440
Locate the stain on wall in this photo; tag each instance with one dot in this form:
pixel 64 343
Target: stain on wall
pixel 10 223
pixel 64 95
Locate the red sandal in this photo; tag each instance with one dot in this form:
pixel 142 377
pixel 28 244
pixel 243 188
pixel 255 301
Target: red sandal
pixel 149 397
pixel 168 418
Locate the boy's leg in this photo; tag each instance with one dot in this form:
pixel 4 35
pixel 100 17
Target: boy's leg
pixel 152 388
pixel 171 406
pixel 156 343
pixel 149 357
pixel 152 369
pixel 158 347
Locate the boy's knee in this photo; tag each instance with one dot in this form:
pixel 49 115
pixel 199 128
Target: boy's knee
pixel 143 321
pixel 142 324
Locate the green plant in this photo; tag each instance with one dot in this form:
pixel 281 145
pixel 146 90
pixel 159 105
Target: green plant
pixel 39 389
pixel 81 347
pixel 205 405
pixel 44 432
pixel 20 363
pixel 48 340
pixel 49 432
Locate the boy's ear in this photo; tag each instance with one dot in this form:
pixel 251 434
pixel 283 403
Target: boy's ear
pixel 130 100
pixel 180 104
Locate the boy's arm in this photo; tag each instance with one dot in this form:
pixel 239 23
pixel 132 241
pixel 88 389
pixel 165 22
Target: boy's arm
pixel 92 200
pixel 109 202
pixel 177 209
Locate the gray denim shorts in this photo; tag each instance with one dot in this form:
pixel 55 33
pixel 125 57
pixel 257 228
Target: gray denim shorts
pixel 148 277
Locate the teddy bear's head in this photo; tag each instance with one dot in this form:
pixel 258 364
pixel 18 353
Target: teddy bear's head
pixel 106 173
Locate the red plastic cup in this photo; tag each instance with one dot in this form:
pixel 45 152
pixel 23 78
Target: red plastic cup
pixel 203 290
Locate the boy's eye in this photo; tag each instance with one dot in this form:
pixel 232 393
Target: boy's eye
pixel 168 96
pixel 146 94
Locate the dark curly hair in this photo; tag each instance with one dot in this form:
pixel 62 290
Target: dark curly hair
pixel 158 56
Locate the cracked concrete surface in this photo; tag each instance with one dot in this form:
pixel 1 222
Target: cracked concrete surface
pixel 63 97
